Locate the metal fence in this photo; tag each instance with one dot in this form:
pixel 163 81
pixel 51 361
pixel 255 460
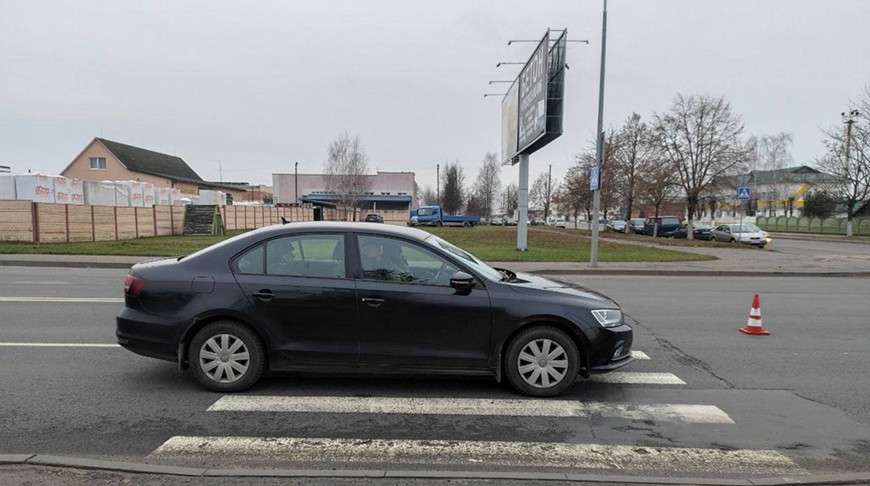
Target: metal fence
pixel 834 226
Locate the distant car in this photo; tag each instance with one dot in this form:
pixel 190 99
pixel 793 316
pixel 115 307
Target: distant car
pixel 560 223
pixel 374 218
pixel 699 232
pixel 616 225
pixel 666 225
pixel 362 298
pixel 497 221
pixel 635 226
pixel 747 233
pixel 510 222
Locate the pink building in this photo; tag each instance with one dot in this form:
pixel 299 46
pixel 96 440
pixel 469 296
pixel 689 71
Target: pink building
pixel 388 190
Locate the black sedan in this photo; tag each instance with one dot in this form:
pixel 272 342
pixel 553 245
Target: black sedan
pixel 699 232
pixel 364 298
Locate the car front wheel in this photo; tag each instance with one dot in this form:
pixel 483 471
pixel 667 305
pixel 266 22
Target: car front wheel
pixel 542 361
pixel 227 357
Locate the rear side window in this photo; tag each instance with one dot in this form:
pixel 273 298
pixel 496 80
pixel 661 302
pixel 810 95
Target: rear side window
pixel 306 256
pixel 251 261
pixel 670 221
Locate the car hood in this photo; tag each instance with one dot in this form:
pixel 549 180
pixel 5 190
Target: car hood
pixel 528 284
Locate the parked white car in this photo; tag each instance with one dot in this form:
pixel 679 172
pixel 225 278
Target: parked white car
pixel 746 233
pixel 560 223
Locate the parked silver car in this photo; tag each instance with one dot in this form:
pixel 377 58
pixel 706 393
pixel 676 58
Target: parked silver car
pixel 746 233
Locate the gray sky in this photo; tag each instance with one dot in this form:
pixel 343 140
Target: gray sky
pixel 260 85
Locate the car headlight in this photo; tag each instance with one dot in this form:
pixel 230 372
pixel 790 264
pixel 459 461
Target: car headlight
pixel 608 317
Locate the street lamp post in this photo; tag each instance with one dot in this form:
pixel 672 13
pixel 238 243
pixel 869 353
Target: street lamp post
pixel 849 118
pixel 596 196
pixel 296 181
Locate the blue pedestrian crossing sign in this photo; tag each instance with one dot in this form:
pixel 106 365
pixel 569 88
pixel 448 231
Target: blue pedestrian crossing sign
pixel 593 178
pixel 744 194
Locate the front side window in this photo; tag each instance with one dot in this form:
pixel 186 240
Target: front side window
pixel 400 261
pixel 98 163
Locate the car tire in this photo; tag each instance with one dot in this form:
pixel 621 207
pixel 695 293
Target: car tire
pixel 538 380
pixel 439 224
pixel 213 365
pixel 733 240
pixel 466 224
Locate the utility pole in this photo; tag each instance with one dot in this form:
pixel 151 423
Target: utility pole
pixel 220 170
pixel 296 181
pixel 549 195
pixel 849 119
pixel 438 184
pixel 596 195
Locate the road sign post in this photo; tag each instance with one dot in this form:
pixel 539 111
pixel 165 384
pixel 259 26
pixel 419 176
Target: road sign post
pixel 744 194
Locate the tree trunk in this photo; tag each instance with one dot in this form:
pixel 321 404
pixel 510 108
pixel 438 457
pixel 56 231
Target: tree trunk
pixel 693 203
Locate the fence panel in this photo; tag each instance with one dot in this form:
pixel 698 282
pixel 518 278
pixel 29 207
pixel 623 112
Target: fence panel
pixel 144 222
pixel 126 223
pixel 52 222
pixel 81 227
pixel 16 221
pixel 104 223
pixel 163 216
pixel 177 220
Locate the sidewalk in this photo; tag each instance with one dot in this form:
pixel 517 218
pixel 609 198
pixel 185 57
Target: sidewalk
pixel 731 262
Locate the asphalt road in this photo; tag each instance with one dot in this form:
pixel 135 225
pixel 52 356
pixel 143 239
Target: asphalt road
pixel 709 401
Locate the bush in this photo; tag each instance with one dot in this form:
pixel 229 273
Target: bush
pixel 819 204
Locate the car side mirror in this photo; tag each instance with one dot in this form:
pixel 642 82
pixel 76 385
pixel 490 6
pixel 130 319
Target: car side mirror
pixel 462 281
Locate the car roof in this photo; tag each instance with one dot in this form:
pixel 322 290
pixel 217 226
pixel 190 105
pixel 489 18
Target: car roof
pixel 404 231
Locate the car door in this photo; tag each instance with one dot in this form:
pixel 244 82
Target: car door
pixel 300 290
pixel 410 316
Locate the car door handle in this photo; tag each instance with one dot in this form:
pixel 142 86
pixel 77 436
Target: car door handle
pixel 264 295
pixel 373 301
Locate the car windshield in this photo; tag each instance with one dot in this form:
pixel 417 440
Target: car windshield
pixel 424 211
pixel 465 257
pixel 745 228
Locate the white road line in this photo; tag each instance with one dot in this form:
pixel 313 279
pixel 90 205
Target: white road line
pixel 636 378
pixel 689 414
pixel 283 450
pixel 58 345
pixel 639 355
pixel 112 300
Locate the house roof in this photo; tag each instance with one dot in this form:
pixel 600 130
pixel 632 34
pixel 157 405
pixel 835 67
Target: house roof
pixel 800 175
pixel 149 162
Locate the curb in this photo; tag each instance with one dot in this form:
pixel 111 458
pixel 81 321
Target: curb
pixel 140 468
pixel 579 271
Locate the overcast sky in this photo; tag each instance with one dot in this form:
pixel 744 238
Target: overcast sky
pixel 259 85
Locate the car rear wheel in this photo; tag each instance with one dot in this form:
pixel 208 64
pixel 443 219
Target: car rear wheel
pixel 541 361
pixel 227 357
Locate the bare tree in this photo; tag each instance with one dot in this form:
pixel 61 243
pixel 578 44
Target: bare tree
pixel 488 184
pixel 848 158
pixel 573 195
pixel 511 198
pixel 635 148
pixel 453 188
pixel 658 184
pixel 346 169
pixel 428 197
pixel 701 137
pixel 773 153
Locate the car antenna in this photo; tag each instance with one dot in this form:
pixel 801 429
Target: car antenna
pixel 283 221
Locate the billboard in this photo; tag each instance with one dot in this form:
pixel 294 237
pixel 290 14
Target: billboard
pixel 509 119
pixel 533 96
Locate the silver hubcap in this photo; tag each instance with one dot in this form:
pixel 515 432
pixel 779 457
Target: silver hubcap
pixel 543 363
pixel 224 358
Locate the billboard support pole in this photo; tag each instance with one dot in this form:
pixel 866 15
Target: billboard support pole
pixel 596 197
pixel 523 203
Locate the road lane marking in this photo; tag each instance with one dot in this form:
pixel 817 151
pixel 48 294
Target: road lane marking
pixel 279 451
pixel 59 345
pixel 112 300
pixel 636 378
pixel 689 414
pixel 639 355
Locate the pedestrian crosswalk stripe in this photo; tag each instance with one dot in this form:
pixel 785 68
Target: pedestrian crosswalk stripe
pixel 682 413
pixel 636 378
pixel 639 355
pixel 281 451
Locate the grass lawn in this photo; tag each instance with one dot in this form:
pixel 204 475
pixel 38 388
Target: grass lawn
pixel 492 243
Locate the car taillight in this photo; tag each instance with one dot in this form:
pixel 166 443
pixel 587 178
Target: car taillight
pixel 133 285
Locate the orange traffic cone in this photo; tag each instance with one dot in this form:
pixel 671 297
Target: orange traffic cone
pixel 753 325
